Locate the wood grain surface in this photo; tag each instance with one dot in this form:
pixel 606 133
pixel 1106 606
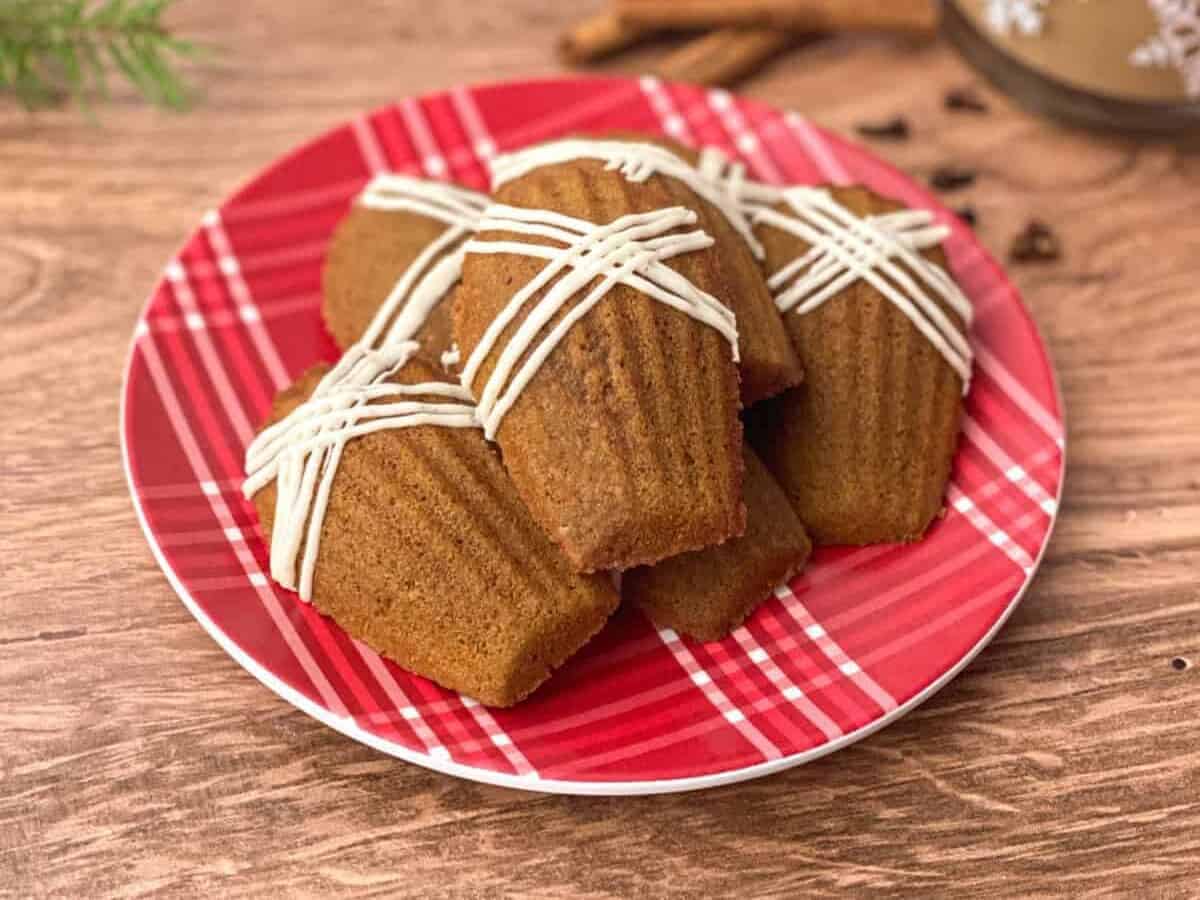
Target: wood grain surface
pixel 137 759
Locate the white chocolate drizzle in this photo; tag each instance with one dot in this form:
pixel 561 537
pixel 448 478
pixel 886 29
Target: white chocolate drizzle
pixel 882 250
pixel 636 161
pixel 425 283
pixel 302 451
pixel 439 200
pixel 630 250
pixel 729 176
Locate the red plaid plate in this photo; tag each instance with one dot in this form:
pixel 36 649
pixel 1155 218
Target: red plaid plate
pixel 856 641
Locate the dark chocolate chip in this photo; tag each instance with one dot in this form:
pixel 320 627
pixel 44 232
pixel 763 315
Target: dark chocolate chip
pixel 968 215
pixel 890 130
pixel 1036 243
pixel 952 178
pixel 965 100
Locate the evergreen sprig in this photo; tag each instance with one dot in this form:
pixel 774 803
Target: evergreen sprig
pixel 51 49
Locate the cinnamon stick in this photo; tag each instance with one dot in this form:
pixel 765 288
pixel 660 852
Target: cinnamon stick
pixel 919 16
pixel 722 57
pixel 601 35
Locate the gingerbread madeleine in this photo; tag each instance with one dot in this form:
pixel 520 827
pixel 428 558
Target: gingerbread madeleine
pixel 864 447
pixel 769 364
pixel 387 509
pixel 399 249
pixel 708 593
pixel 426 553
pixel 601 360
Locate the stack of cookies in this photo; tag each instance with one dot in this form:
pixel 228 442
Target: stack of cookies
pixel 629 359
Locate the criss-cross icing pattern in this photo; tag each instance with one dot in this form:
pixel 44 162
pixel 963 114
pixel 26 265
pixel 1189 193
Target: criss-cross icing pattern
pixel 630 250
pixel 883 250
pixel 301 452
pixel 356 397
pixel 636 161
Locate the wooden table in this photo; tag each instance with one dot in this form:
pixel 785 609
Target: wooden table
pixel 136 758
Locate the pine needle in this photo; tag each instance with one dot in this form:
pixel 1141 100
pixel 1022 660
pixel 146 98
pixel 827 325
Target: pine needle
pixel 54 49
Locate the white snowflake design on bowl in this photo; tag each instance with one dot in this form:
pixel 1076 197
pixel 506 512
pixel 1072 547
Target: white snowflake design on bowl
pixel 1177 43
pixel 1026 17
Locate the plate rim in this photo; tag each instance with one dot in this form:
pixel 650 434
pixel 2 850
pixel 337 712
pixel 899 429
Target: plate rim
pixel 347 726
